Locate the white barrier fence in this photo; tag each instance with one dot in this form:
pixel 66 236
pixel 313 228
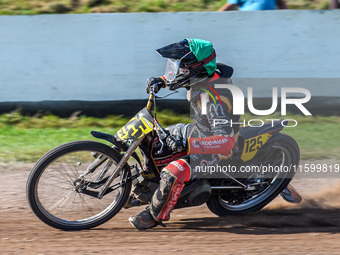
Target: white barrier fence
pixel 109 56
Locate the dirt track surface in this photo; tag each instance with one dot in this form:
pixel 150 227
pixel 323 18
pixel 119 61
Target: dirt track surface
pixel 310 228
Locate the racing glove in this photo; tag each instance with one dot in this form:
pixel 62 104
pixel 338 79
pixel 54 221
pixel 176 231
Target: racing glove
pixel 156 83
pixel 176 143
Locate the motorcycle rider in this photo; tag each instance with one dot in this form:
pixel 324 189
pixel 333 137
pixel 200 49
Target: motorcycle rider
pixel 191 65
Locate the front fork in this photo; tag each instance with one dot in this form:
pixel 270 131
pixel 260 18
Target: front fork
pixel 126 156
pixel 120 166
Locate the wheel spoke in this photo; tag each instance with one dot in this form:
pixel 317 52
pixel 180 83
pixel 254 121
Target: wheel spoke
pixel 61 201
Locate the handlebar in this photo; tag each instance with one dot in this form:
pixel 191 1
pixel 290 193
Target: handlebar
pixel 162 133
pixel 151 98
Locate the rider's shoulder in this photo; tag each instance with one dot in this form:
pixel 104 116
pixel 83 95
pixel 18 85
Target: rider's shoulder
pixel 224 71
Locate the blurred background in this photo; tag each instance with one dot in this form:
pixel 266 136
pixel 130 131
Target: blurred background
pixel 71 66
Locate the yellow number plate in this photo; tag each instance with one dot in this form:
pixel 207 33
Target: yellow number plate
pixel 135 128
pixel 252 145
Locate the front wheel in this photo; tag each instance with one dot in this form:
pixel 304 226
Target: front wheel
pixel 282 154
pixel 60 188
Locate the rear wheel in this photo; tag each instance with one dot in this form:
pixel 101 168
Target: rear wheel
pixel 63 195
pixel 282 154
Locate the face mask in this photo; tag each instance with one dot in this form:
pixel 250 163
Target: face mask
pixel 172 68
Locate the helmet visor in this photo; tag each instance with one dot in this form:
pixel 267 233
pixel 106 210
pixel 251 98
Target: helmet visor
pixel 172 68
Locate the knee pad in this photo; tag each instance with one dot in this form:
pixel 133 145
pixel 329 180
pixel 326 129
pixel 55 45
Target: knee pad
pixel 180 169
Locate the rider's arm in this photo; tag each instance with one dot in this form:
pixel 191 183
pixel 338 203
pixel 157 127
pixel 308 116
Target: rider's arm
pixel 215 144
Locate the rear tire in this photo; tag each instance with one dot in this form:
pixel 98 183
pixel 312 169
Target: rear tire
pixel 290 159
pixel 53 186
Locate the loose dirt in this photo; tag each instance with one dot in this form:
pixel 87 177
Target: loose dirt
pixel 312 227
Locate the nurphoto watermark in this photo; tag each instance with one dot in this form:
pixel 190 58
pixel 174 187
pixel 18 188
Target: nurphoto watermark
pixel 238 105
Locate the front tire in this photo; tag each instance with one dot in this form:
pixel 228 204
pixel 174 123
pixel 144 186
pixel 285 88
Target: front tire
pixel 283 152
pixel 55 186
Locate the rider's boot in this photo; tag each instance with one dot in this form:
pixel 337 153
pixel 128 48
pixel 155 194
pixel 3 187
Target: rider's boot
pixel 143 220
pixel 165 197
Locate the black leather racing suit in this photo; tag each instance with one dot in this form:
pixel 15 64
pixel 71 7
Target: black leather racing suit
pixel 211 134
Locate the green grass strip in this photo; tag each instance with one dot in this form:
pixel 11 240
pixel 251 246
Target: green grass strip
pixel 26 139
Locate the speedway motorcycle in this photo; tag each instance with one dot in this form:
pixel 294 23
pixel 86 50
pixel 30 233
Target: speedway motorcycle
pixel 83 184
